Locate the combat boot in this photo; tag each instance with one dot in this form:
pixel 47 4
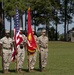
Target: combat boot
pixel 5 71
pixel 18 71
pixel 8 71
pixel 43 69
pixel 21 70
pixel 31 70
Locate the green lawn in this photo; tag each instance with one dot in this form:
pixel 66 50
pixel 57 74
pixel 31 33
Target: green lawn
pixel 60 61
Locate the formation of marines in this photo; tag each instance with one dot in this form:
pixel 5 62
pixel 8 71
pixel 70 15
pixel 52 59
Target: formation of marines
pixel 7 44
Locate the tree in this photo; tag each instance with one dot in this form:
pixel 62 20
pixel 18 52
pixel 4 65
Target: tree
pixel 55 13
pixel 10 7
pixel 2 27
pixel 66 11
pixel 42 11
pixel 52 34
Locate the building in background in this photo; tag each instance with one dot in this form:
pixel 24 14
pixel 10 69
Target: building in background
pixel 71 35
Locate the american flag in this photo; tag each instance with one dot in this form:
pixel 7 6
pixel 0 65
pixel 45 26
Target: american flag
pixel 17 36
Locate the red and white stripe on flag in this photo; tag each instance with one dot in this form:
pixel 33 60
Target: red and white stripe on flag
pixel 17 36
pixel 17 40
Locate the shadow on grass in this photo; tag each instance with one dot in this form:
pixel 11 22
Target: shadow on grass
pixel 12 70
pixel 37 70
pixel 25 70
pixel 1 71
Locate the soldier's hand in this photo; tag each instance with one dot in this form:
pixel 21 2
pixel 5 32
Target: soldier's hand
pixel 39 51
pixel 0 46
pixel 0 49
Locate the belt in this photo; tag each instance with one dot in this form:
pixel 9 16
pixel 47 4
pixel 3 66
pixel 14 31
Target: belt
pixel 6 48
pixel 43 47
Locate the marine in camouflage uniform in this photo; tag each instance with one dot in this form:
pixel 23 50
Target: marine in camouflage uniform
pixel 43 42
pixel 21 53
pixel 32 58
pixel 6 51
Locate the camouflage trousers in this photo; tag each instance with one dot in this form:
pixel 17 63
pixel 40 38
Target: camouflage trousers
pixel 44 55
pixel 6 55
pixel 20 58
pixel 32 60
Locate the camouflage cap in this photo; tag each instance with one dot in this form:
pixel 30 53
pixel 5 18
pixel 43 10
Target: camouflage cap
pixel 7 31
pixel 43 30
pixel 0 42
pixel 21 28
pixel 33 29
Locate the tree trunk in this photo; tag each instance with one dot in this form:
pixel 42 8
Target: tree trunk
pixel 25 20
pixel 47 28
pixel 35 26
pixel 21 21
pixel 65 20
pixel 2 30
pixel 56 31
pixel 10 26
pixel 67 31
pixel 56 24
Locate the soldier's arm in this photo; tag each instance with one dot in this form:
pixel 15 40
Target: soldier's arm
pixel 38 45
pixel 0 48
pixel 38 48
pixel 47 43
pixel 25 41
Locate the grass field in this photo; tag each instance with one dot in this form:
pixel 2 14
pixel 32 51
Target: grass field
pixel 60 61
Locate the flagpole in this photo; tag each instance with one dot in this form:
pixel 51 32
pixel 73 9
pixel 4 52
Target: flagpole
pixel 16 51
pixel 28 61
pixel 28 51
pixel 30 40
pixel 16 61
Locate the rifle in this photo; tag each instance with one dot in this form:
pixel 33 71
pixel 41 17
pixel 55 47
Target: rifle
pixel 28 54
pixel 28 61
pixel 40 62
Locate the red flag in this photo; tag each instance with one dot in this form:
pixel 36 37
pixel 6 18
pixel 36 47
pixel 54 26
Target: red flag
pixel 30 37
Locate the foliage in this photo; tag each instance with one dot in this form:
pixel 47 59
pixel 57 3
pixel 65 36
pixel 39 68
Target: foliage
pixel 69 11
pixel 61 37
pixel 42 11
pixel 52 34
pixel 11 5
